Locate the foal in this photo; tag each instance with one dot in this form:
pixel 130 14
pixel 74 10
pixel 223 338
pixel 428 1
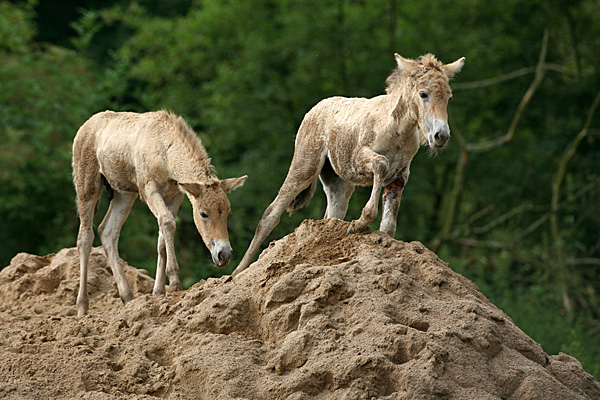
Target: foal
pixel 355 141
pixel 158 156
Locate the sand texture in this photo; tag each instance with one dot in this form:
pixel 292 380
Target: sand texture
pixel 320 315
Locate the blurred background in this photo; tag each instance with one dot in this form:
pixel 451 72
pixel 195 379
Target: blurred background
pixel 511 203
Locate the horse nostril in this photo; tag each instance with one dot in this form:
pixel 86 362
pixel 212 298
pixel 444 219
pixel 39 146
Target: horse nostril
pixel 441 137
pixel 223 255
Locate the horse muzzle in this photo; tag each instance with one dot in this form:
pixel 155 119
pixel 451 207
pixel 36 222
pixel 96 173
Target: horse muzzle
pixel 439 134
pixel 221 252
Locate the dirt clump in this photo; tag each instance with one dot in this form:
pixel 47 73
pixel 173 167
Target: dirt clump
pixel 320 315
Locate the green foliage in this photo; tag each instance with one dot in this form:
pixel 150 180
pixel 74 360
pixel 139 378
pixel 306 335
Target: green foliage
pixel 244 73
pixel 86 28
pixel 16 26
pixel 45 95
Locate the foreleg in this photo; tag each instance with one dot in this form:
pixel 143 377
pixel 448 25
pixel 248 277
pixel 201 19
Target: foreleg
pixel 161 265
pixel 376 165
pixel 392 194
pixel 166 226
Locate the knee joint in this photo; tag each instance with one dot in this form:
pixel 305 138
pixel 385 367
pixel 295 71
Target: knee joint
pixel 167 225
pixel 380 165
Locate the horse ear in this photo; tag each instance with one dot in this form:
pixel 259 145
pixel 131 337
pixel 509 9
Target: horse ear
pixel 233 183
pixel 195 189
pixel 452 69
pixel 404 63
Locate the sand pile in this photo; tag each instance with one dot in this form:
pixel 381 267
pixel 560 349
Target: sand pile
pixel 320 315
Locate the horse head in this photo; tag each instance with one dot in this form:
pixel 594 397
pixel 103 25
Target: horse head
pixel 211 208
pixel 431 93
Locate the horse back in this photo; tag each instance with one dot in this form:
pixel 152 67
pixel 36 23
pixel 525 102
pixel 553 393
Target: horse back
pixel 128 147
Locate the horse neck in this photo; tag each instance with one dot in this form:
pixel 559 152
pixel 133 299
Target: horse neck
pixel 404 109
pixel 189 166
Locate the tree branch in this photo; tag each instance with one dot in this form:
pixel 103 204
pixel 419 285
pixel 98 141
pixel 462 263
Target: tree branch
pixel 452 201
pixel 490 244
pixel 585 261
pixel 560 263
pixel 509 76
pixel 537 79
pixel 538 222
pixel 436 243
pixel 503 218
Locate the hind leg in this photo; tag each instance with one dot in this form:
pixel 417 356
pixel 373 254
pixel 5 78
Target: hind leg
pixel 337 190
pixel 109 231
pixel 88 194
pixel 304 169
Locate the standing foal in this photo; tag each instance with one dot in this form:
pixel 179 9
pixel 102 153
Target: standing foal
pixel 157 156
pixel 355 141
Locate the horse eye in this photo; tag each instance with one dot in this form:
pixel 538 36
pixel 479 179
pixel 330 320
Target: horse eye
pixel 203 214
pixel 423 94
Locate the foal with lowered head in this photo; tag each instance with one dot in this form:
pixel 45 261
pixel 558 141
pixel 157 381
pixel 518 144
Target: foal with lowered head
pixel 369 142
pixel 157 156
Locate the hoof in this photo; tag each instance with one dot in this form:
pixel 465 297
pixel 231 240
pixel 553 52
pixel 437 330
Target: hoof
pixel 239 269
pixel 355 227
pixel 175 287
pixel 358 227
pixel 82 307
pixel 126 297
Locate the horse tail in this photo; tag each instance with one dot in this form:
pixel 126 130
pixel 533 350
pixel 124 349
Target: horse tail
pixel 303 198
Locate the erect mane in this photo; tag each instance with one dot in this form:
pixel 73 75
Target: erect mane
pixel 424 63
pixel 429 61
pixel 192 145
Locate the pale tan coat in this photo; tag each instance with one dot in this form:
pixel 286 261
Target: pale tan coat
pixel 368 142
pixel 158 156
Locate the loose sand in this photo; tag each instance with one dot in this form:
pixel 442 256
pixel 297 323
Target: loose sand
pixel 320 315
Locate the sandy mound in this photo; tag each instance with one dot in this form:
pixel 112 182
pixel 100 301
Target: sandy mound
pixel 320 315
pixel 49 285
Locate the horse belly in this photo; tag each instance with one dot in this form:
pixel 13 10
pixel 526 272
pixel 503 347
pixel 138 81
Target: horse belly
pixel 119 173
pixel 340 152
pixel 345 166
pixel 342 164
